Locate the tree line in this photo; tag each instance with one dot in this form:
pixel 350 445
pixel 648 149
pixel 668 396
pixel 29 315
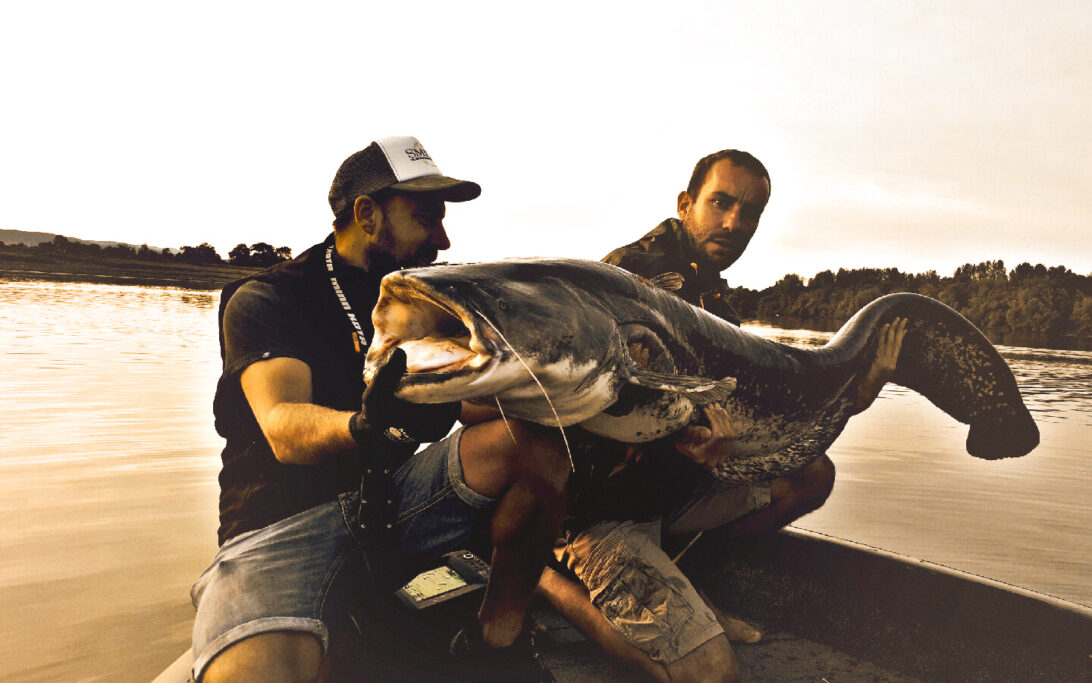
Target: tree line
pixel 1029 305
pixel 258 255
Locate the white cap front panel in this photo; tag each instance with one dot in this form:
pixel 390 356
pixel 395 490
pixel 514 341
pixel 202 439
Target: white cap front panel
pixel 408 159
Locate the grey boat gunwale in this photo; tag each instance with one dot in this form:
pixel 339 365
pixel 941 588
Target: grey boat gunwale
pixel 839 610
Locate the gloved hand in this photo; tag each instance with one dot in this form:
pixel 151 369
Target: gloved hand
pixel 381 413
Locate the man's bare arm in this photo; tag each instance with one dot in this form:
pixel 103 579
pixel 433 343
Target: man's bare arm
pixel 298 431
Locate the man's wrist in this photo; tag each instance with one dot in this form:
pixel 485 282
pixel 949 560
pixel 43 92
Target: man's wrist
pixel 365 436
pixel 360 434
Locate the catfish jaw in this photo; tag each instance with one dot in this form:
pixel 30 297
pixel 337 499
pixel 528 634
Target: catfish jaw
pixel 547 366
pixel 454 353
pixel 442 340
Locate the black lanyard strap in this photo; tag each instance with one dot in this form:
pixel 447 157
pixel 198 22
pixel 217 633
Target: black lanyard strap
pixel 359 337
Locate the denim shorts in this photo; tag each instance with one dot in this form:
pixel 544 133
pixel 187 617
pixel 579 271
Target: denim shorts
pixel 297 574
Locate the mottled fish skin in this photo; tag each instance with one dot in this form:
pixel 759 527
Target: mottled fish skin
pixel 571 322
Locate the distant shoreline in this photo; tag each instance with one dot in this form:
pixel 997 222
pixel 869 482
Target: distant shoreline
pixel 767 307
pixel 29 264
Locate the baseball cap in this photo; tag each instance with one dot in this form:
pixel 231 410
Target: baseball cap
pixel 396 163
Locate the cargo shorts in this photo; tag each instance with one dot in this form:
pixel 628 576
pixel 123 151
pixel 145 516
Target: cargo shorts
pixel 635 585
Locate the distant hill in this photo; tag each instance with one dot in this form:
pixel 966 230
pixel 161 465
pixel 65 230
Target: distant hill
pixel 33 239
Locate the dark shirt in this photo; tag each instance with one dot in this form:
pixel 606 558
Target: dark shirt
pixel 287 311
pixel 667 249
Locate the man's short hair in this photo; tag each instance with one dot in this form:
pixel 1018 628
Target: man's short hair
pixel 737 157
pixel 380 197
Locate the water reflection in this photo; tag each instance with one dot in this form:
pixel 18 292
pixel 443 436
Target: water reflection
pixel 905 482
pixel 108 465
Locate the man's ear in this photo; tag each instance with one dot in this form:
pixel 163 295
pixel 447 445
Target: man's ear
pixel 685 202
pixel 367 213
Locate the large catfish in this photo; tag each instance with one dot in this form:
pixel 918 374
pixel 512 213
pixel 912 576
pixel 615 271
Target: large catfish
pixel 547 340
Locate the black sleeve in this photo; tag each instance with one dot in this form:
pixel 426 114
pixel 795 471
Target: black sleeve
pixel 258 325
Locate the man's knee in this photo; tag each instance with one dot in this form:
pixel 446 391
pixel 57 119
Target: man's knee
pixel 713 660
pixel 496 454
pixel 807 489
pixel 549 460
pixel 538 452
pixel 816 481
pixel 278 656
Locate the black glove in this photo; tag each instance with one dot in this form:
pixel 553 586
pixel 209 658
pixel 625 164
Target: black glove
pixel 381 413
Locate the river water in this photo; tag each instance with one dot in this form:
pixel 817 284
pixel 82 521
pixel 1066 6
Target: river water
pixel 108 465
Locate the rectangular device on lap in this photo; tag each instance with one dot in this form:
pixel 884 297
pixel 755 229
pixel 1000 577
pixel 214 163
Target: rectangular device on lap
pixel 461 573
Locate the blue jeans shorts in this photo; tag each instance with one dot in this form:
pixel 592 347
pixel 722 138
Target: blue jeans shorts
pixel 294 574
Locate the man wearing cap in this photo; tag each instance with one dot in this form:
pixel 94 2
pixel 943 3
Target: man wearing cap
pixel 321 491
pixel 633 599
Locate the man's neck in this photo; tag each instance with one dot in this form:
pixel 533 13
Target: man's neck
pixel 350 251
pixel 682 237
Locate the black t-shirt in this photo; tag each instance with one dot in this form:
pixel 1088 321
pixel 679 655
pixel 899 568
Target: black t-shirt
pixel 259 323
pixel 288 311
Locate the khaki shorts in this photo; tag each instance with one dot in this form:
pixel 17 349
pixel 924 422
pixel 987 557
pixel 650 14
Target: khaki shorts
pixel 636 586
pixel 718 505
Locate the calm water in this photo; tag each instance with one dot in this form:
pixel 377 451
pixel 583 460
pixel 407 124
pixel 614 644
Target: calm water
pixel 108 465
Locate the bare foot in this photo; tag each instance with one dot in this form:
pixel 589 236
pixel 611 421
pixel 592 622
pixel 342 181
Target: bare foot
pixel 737 630
pixel 503 631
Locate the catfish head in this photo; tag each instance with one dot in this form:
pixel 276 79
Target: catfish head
pixel 547 339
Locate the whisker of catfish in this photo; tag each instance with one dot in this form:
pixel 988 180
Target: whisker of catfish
pixel 505 420
pixel 541 388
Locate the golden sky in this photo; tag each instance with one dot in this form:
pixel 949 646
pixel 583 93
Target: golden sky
pixel 919 135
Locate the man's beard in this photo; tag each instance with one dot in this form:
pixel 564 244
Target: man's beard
pixel 425 255
pixel 381 260
pixel 703 258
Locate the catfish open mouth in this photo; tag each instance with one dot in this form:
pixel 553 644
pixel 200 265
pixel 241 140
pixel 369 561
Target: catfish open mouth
pixel 439 337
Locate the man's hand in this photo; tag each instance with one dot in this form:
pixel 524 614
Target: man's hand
pixel 708 446
pixel 381 412
pixel 887 356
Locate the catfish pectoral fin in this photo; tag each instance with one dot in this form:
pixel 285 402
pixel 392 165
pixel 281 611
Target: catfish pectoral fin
pixel 698 389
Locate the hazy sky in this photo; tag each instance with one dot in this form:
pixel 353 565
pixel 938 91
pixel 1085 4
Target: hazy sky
pixel 920 135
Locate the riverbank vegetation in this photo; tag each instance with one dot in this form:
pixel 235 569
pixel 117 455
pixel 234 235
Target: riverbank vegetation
pixel 199 267
pixel 1030 305
pixel 1026 306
